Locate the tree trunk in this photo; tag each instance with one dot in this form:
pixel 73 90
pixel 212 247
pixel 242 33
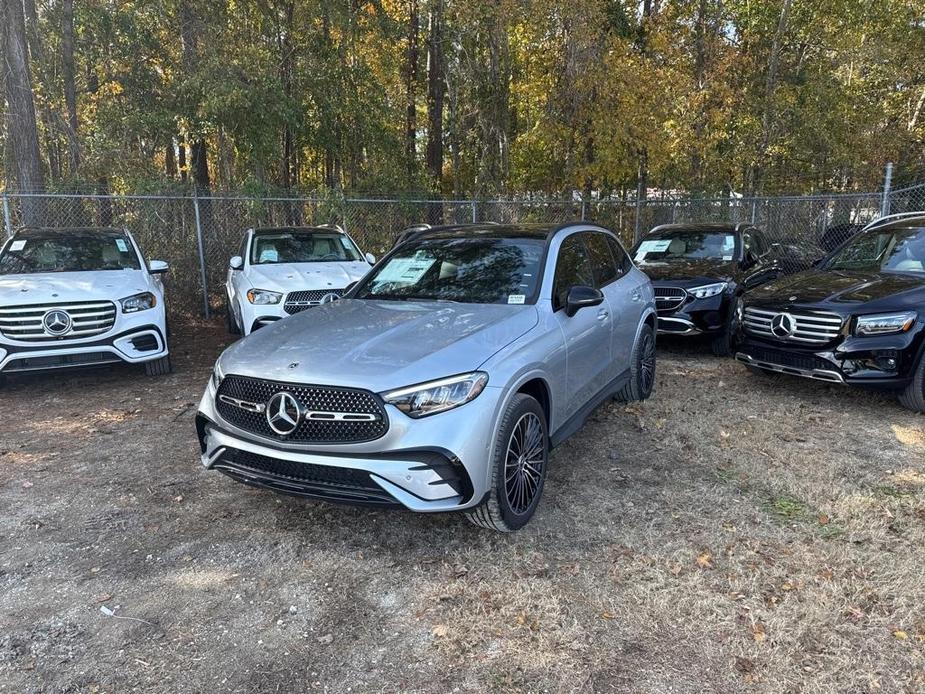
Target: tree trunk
pixel 21 125
pixel 70 85
pixel 642 191
pixel 412 56
pixel 436 88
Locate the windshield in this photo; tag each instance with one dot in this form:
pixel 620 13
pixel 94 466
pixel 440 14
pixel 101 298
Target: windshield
pixel 470 270
pixel 680 245
pixel 887 250
pixel 63 252
pixel 302 247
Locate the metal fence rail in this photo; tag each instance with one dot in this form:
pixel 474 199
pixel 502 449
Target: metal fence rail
pixel 197 235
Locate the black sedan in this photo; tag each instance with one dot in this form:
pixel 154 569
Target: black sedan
pixel 700 270
pixel 857 318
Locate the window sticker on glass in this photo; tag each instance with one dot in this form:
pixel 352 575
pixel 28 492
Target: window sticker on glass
pixel 405 270
pixel 18 245
pixel 727 257
pixel 516 298
pixel 345 242
pixel 652 246
pixel 122 245
pixel 268 255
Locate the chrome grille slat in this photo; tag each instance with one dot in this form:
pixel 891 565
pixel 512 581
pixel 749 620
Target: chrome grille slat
pixel 88 318
pixel 669 298
pixel 810 328
pixel 300 300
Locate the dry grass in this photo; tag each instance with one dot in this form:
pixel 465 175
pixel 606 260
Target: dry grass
pixel 729 535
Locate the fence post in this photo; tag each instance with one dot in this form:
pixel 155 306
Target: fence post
pixel 887 186
pixel 202 260
pixel 637 225
pixel 583 211
pixel 475 211
pixel 7 224
pixel 754 210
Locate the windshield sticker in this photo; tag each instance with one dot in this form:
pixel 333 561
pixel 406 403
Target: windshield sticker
pixel 345 242
pixel 652 246
pixel 516 298
pixel 122 245
pixel 405 270
pixel 727 257
pixel 18 245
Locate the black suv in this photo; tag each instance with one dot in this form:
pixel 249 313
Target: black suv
pixel 857 318
pixel 699 271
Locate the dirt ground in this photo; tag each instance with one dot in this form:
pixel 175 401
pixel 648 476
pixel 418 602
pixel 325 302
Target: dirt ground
pixel 731 534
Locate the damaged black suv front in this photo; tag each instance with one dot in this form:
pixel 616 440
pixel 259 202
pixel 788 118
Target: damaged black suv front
pixel 858 318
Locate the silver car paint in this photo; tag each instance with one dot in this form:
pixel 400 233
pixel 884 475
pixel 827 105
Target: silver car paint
pixel 385 345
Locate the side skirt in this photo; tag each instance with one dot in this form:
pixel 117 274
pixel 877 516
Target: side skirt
pixel 577 420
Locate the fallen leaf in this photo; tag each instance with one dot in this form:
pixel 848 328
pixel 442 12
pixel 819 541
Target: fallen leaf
pixel 104 597
pixel 823 519
pixel 326 639
pixel 440 631
pixel 608 615
pixel 744 665
pixel 900 634
pixel 758 632
pixel 705 560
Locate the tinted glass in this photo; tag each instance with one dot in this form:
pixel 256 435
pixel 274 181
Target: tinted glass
pixel 467 270
pixel 605 270
pixel 675 245
pixel 573 267
pixel 887 250
pixel 622 259
pixel 302 247
pixel 63 252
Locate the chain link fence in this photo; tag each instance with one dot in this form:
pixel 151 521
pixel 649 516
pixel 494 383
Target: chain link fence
pixel 197 236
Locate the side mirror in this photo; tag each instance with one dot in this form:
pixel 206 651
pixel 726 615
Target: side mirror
pixel 158 267
pixel 579 297
pixel 370 258
pixel 236 263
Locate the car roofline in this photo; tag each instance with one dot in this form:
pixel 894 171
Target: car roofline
pixel 736 228
pixel 890 218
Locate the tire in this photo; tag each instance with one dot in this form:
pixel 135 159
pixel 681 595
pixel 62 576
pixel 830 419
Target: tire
pixel 509 504
pixel 722 344
pixel 642 369
pixel 231 321
pixel 913 396
pixel 158 367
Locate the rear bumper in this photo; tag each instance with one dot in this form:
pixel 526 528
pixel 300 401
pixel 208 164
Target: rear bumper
pixel 134 346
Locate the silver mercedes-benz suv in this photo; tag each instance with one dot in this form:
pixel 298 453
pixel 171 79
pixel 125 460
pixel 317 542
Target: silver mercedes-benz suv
pixel 443 378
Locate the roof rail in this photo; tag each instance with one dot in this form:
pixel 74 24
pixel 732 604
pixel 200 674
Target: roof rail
pixel 338 227
pixel 892 218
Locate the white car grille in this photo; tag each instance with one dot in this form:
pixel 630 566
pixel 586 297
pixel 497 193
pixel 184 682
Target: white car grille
pixel 84 319
pixel 811 328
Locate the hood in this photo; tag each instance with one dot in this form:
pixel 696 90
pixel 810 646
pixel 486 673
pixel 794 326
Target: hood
pixel 51 287
pixel 378 345
pixel 890 291
pixel 285 277
pixel 691 272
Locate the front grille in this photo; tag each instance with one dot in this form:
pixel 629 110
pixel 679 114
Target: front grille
pixel 299 301
pixel 811 328
pixel 60 361
pixel 87 319
pixel 669 298
pixel 316 399
pixel 796 360
pixel 304 479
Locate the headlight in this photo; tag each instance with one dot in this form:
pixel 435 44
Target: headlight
pixel 138 302
pixel 437 396
pixel 708 290
pixel 216 376
pixel 262 297
pixel 884 323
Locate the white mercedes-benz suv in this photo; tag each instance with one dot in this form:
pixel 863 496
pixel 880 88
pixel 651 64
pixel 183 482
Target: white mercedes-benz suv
pixel 80 297
pixel 285 270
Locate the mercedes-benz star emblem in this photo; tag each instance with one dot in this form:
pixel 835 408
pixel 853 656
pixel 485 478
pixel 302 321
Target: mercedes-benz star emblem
pixel 783 325
pixel 283 413
pixel 328 298
pixel 56 322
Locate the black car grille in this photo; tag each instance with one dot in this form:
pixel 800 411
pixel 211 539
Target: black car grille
pixel 60 361
pixel 316 399
pixel 303 479
pixel 669 298
pixel 299 301
pixel 796 360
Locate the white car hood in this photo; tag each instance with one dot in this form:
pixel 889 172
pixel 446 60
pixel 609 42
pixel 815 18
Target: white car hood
pixel 286 277
pixel 53 287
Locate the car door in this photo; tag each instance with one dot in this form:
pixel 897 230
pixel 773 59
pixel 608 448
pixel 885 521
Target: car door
pixel 587 333
pixel 610 264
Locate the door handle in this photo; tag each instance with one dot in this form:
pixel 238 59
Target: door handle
pixel 635 296
pixel 602 315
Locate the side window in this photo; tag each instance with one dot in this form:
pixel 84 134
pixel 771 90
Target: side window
pixel 624 264
pixel 243 250
pixel 573 267
pixel 605 270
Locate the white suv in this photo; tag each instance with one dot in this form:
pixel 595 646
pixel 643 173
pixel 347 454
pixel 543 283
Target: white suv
pixel 80 297
pixel 285 270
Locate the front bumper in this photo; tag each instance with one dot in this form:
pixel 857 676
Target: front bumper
pixel 885 362
pixel 695 316
pixel 438 463
pixel 132 345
